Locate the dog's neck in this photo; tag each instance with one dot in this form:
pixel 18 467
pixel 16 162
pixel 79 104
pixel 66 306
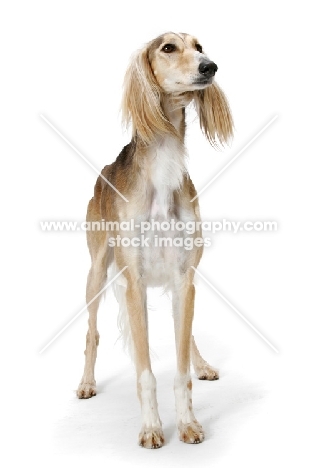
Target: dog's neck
pixel 165 162
pixel 174 109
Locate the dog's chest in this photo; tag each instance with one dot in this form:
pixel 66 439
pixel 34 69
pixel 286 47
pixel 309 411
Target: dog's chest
pixel 166 171
pixel 162 254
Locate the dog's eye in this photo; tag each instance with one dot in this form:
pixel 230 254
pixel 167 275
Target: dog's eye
pixel 169 48
pixel 199 48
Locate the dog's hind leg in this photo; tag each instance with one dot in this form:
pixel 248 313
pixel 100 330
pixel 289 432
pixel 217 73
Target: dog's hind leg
pixel 95 283
pixel 202 369
pixel 97 242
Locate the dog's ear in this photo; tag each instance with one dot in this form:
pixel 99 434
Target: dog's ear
pixel 141 102
pixel 214 114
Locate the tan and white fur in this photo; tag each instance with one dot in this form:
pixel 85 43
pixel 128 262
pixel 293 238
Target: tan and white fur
pixel 163 78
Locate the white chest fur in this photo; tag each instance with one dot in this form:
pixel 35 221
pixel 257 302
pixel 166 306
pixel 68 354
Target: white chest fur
pixel 167 167
pixel 166 171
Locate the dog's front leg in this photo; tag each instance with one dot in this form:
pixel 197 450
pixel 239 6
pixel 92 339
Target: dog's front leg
pixel 151 435
pixel 190 431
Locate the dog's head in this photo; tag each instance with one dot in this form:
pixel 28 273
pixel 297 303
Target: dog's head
pixel 176 65
pixel 179 63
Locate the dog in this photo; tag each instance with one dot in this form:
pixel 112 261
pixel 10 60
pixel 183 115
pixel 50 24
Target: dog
pixel 149 182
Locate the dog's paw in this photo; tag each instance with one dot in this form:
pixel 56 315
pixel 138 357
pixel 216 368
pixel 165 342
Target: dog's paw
pixel 206 372
pixel 151 437
pixel 191 433
pixel 86 390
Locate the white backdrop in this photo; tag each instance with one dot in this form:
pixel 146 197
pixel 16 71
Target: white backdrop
pixel 66 60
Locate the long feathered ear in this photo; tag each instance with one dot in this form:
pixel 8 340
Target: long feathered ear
pixel 214 114
pixel 141 102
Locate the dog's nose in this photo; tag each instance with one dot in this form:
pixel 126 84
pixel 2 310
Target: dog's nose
pixel 207 68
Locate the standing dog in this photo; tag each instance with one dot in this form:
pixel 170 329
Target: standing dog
pixel 162 79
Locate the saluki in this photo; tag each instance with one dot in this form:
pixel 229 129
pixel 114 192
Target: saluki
pixel 163 78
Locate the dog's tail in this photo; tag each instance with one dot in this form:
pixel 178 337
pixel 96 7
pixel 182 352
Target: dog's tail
pixel 119 288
